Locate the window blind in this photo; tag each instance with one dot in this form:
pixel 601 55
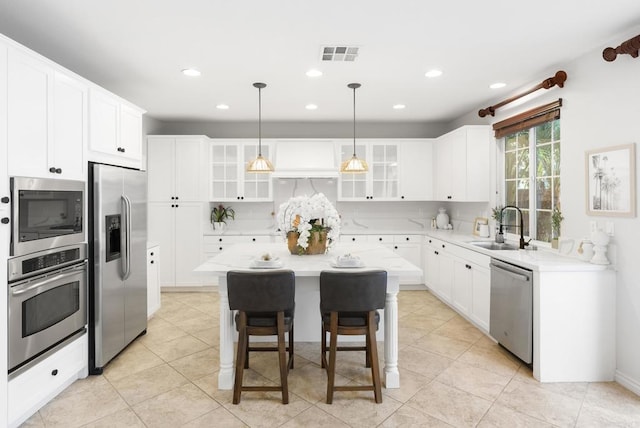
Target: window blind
pixel 528 119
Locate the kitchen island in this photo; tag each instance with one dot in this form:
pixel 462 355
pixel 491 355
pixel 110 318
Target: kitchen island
pixel 307 316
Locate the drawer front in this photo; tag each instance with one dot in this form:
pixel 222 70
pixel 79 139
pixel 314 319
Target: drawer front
pixel 353 238
pixel 29 390
pixel 381 239
pixel 406 239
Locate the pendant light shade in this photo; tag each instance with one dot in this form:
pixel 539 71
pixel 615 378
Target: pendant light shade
pixel 354 164
pixel 260 163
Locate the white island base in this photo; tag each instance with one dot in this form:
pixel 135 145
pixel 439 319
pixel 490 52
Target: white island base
pixel 307 316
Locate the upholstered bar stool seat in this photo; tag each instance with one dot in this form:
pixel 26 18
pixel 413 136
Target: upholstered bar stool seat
pixel 349 303
pixel 265 303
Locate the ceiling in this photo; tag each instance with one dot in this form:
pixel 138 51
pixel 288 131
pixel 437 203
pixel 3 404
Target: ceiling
pixel 137 49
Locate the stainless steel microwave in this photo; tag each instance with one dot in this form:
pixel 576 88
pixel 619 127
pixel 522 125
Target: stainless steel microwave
pixel 46 213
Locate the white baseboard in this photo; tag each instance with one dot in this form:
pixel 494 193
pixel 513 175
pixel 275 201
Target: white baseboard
pixel 631 384
pixel 189 289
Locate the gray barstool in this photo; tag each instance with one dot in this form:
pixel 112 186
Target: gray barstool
pixel 265 302
pixel 348 305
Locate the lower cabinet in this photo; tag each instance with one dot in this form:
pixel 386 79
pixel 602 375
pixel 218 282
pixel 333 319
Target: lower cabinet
pixel 32 389
pixel 153 280
pixel 177 228
pixel 459 277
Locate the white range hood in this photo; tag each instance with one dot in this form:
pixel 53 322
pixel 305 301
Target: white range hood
pixel 308 158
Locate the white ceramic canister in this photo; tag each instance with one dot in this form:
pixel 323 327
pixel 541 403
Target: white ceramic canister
pixel 587 250
pixel 442 219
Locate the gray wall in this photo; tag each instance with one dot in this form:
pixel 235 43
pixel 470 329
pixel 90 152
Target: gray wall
pixel 298 129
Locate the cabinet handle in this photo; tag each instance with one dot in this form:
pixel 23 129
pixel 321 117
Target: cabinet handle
pixel 5 220
pixel 176 198
pixel 173 197
pixel 253 239
pixel 402 197
pixel 5 200
pixel 353 239
pixel 379 239
pixel 151 254
pixel 395 247
pixel 467 266
pixel 54 372
pixel 173 205
pixel 52 170
pixel 220 248
pixel 442 245
pixel 121 149
pixel 407 238
pixel 449 197
pixel 429 241
pixel 151 262
pixel 177 205
pixel 58 170
pixel 436 253
pixel 219 239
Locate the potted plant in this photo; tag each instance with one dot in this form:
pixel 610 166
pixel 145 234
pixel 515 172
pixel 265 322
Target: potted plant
pixel 556 220
pixel 219 215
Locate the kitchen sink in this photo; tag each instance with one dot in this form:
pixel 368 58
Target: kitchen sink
pixel 490 245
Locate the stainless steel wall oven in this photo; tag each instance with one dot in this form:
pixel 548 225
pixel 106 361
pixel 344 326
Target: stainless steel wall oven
pixel 46 302
pixel 46 214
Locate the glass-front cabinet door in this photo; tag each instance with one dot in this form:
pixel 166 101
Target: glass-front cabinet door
pixel 384 171
pixel 257 186
pixel 353 187
pixel 223 169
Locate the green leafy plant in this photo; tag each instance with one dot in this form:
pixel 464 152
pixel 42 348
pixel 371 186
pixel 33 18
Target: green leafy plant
pixel 221 213
pixel 495 213
pixel 556 219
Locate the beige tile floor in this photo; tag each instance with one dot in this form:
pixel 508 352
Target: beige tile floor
pixel 451 375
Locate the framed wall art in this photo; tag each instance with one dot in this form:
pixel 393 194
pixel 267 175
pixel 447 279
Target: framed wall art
pixel 477 223
pixel 611 181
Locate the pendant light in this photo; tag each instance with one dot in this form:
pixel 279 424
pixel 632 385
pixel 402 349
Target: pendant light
pixel 260 164
pixel 354 165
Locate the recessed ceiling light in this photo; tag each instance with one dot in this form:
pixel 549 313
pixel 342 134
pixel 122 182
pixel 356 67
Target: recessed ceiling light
pixel 497 85
pixel 192 72
pixel 399 106
pixel 311 107
pixel 222 107
pixel 314 73
pixel 433 73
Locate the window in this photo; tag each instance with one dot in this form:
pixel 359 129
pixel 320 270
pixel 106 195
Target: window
pixel 532 178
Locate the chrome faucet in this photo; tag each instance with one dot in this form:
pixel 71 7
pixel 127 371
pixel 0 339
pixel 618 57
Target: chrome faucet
pixel 500 234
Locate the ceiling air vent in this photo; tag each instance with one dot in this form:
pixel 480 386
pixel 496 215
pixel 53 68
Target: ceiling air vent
pixel 339 53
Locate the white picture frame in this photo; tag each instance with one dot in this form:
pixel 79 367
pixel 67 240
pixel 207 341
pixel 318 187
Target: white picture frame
pixel 611 181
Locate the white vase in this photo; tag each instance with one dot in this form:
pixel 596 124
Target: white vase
pixel 442 219
pixel 219 226
pixel 600 241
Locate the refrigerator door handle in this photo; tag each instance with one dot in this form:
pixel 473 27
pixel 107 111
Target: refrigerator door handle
pixel 126 237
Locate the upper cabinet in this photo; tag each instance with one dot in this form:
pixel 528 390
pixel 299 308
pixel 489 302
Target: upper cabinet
pixel 46 119
pixel 115 130
pixel 462 165
pixel 228 179
pixel 174 168
pixel 398 170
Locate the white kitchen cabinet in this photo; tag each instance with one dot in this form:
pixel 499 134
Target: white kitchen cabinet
pixel 228 179
pixel 174 168
pixel 416 170
pixel 408 247
pixel 153 280
pixel 381 182
pixel 462 167
pixel 46 113
pixel 438 268
pixel 32 389
pixel 115 130
pixel 177 228
pixel 460 277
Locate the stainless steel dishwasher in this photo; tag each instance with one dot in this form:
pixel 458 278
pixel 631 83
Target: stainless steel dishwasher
pixel 511 319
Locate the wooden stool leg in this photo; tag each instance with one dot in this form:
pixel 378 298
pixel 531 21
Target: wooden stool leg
pixel 323 350
pixel 282 359
pixel 240 356
pixel 331 369
pixel 373 347
pixel 291 342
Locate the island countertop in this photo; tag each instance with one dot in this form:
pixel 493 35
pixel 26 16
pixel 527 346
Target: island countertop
pixel 373 256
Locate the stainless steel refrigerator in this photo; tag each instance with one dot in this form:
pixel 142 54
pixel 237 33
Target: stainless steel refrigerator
pixel 118 272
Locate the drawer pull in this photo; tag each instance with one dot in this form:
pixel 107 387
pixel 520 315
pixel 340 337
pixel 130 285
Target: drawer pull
pixel 54 372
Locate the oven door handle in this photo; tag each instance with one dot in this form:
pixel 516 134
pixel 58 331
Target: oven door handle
pixel 126 237
pixel 18 289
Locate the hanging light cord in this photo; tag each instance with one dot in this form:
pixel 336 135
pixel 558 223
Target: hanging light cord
pixel 259 121
pixel 354 120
